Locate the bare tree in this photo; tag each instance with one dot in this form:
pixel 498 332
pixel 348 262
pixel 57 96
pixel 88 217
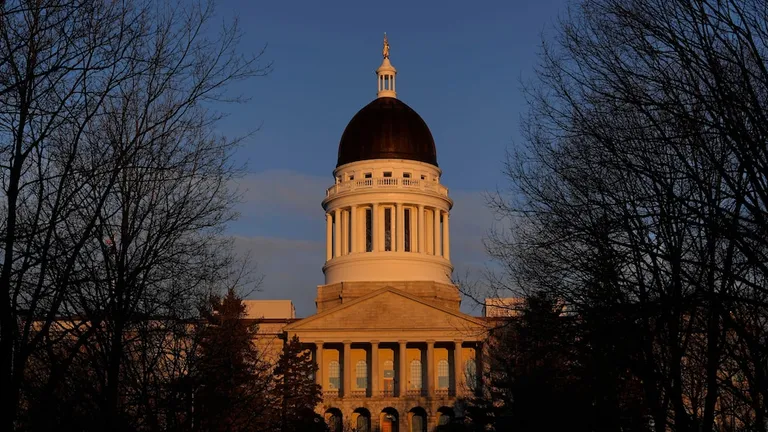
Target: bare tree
pixel 115 185
pixel 641 197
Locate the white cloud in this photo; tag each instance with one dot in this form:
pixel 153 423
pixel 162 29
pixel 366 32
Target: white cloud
pixel 283 191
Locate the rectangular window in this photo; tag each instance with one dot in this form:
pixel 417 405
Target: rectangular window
pixel 442 240
pixel 368 230
pixel 388 174
pixel 388 229
pixel 351 178
pixel 334 246
pixel 334 382
pixel 368 175
pixel 406 175
pixel 407 222
pixel 348 230
pixel 442 382
pixel 423 177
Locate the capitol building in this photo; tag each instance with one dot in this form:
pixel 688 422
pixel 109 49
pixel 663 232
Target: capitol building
pixel 393 349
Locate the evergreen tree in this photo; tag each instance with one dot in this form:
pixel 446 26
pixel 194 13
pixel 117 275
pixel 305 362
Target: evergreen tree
pixel 232 382
pixel 532 373
pixel 296 392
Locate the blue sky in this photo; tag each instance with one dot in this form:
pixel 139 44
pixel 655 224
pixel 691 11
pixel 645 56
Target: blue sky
pixel 460 65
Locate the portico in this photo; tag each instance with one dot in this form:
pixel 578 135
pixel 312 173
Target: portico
pixel 428 357
pixel 428 368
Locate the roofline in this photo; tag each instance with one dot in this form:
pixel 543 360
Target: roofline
pixel 476 320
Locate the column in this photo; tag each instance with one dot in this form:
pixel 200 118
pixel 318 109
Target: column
pixel 446 237
pixel 328 236
pixel 400 231
pixel 421 229
pixel 347 369
pixel 375 227
pixel 458 369
pixel 353 229
pixel 337 233
pixel 402 370
pixel 374 369
pixel 437 232
pixel 344 232
pixel 319 362
pixel 430 368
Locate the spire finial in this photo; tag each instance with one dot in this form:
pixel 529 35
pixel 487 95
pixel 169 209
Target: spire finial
pixel 385 51
pixel 385 74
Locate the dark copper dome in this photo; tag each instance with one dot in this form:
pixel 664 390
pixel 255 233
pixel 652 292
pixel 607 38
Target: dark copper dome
pixel 387 128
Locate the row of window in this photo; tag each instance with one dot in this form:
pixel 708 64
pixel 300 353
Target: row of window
pixel 361 374
pixel 386 174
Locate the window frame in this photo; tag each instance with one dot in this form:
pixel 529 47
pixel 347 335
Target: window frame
pixel 334 382
pixel 388 231
pixel 361 365
pixel 443 373
pixel 407 229
pixel 416 375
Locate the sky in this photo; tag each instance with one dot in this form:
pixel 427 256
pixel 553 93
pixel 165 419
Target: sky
pixel 461 66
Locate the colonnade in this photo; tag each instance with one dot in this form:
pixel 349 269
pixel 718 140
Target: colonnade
pixel 395 227
pixel 427 387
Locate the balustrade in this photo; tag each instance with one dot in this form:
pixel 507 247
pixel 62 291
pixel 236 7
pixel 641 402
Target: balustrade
pixel 386 182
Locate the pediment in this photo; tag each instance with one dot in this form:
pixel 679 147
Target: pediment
pixel 388 309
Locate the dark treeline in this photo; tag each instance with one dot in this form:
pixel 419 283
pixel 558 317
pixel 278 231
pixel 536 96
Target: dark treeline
pixel 116 187
pixel 639 225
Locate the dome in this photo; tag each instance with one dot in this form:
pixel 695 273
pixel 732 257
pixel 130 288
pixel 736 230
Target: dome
pixel 387 128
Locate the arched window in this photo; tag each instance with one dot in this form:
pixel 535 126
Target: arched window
pixel 361 373
pixel 442 374
pixel 418 423
pixel 334 375
pixel 335 424
pixel 416 375
pixel 444 419
pixel 363 423
pixel 470 373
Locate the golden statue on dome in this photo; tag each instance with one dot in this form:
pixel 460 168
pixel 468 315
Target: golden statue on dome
pixel 385 51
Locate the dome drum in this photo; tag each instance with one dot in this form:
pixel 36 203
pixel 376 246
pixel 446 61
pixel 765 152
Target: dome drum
pixel 388 266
